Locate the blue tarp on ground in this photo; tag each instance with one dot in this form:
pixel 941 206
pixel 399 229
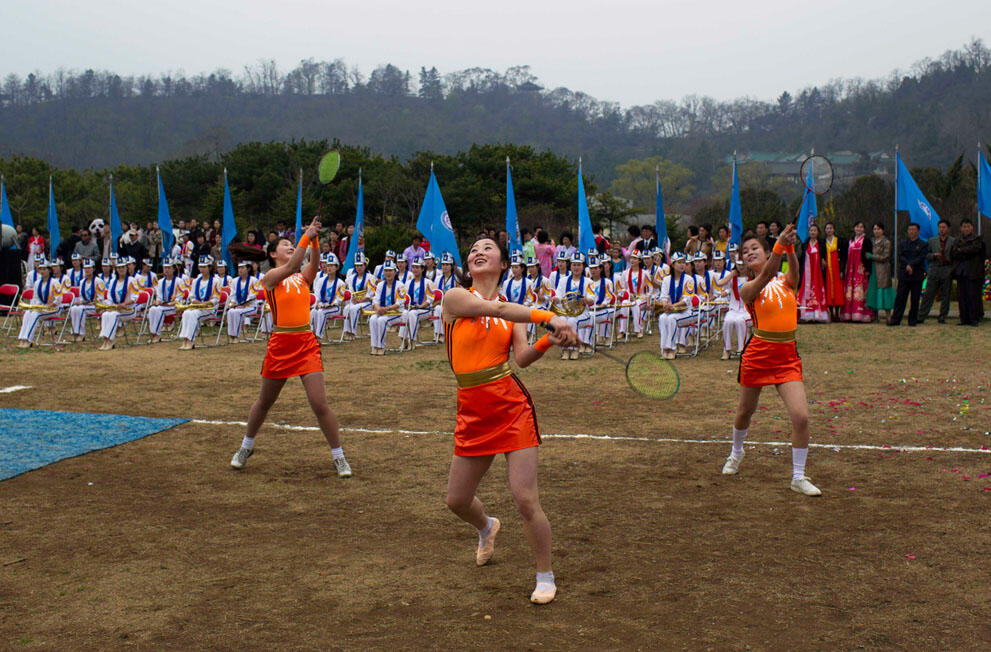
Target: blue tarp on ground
pixel 31 439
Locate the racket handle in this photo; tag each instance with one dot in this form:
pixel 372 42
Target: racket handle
pixel 547 327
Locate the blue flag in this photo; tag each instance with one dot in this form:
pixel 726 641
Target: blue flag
pixel 115 228
pixel 512 223
pixel 909 198
pixel 299 207
pixel 660 223
pixel 5 216
pixel 586 239
pixel 164 218
pixel 435 223
pixel 357 238
pixel 735 212
pixel 809 208
pixel 230 227
pixel 54 238
pixel 984 186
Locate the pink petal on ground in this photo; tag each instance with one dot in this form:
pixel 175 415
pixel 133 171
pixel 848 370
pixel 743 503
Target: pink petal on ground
pixel 853 488
pixel 910 556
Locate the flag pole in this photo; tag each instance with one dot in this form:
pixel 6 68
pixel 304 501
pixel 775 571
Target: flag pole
pixel 979 188
pixel 894 234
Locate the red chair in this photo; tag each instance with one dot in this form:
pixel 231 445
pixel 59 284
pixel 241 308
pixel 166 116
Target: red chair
pixel 8 308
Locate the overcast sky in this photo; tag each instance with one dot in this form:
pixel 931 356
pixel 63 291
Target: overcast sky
pixel 628 51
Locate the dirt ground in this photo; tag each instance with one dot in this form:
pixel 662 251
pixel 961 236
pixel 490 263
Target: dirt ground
pixel 158 544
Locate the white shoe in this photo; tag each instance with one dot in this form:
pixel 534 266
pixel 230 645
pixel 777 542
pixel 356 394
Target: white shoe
pixel 343 468
pixel 240 457
pixel 544 593
pixel 732 465
pixel 804 486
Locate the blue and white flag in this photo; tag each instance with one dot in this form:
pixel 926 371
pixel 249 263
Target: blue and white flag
pixel 230 227
pixel 512 223
pixel 435 224
pixel 735 212
pixel 660 222
pixel 116 231
pixel 299 208
pixel 164 218
pixel 909 198
pixel 54 238
pixel 357 238
pixel 586 239
pixel 983 186
pixel 809 208
pixel 5 216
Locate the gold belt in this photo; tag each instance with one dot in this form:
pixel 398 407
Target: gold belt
pixel 291 329
pixel 775 336
pixel 482 376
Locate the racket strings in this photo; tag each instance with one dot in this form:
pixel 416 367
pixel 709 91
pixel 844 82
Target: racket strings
pixel 652 376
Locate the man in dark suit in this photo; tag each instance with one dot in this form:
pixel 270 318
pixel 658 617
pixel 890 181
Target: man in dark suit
pixel 939 277
pixel 968 254
pixel 911 273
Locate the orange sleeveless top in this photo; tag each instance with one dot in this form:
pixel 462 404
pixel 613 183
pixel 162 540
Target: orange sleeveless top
pixel 477 343
pixel 775 309
pixel 290 302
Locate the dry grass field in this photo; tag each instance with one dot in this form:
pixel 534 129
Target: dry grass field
pixel 158 544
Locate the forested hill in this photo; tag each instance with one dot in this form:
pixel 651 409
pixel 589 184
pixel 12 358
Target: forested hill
pixel 93 119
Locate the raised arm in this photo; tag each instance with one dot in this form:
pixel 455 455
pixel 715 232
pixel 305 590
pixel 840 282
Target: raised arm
pixel 278 274
pixel 751 289
pixel 458 303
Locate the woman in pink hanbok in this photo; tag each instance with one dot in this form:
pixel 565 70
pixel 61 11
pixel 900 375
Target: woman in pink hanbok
pixel 812 292
pixel 856 280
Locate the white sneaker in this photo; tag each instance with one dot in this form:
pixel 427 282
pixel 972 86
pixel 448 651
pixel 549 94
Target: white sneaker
pixel 343 468
pixel 804 486
pixel 240 457
pixel 732 465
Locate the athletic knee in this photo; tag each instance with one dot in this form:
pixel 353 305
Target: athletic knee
pixel 457 504
pixel 800 422
pixel 527 504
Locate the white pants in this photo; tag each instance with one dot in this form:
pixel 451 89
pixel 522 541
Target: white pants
pixel 735 321
pixel 674 327
pixel 31 322
pixel 634 314
pixel 78 315
pixel 603 315
pixel 191 322
pixel 413 318
pixel 439 322
pixel 352 312
pixel 111 319
pixel 156 318
pixel 581 323
pixel 379 325
pixel 319 317
pixel 236 318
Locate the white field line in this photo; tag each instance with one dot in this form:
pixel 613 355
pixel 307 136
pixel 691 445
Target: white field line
pixel 653 440
pixel 13 388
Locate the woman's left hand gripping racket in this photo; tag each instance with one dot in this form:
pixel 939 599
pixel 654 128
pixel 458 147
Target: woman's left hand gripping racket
pixel 647 374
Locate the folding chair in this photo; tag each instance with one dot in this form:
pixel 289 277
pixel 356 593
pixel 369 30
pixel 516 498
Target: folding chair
pixel 13 292
pixel 215 318
pixel 263 313
pixel 141 310
pixel 64 316
pixel 51 323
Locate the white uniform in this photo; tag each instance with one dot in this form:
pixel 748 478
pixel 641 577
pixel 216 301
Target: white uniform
pixel 200 290
pixel 329 291
pixel 737 318
pixel 118 291
pixel 386 294
pixel 166 292
pixel 32 279
pixel 583 287
pixel 46 292
pixel 637 286
pixel 352 310
pixel 75 277
pixel 521 291
pixel 147 280
pixel 244 302
pixel 673 326
pixel 89 292
pixel 603 310
pixel 419 292
pixel 187 257
pixel 443 284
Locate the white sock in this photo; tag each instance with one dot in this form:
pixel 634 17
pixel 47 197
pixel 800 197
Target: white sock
pixel 338 452
pixel 485 532
pixel 545 577
pixel 248 442
pixel 798 456
pixel 738 437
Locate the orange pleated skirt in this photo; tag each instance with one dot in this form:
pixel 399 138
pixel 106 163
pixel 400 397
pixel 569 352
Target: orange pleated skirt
pixel 292 354
pixel 496 417
pixel 766 363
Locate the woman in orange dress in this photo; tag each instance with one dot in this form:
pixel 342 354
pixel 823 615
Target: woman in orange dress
pixel 495 411
pixel 770 356
pixel 293 350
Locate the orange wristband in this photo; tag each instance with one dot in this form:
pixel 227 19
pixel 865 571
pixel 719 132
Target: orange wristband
pixel 781 249
pixel 541 316
pixel 304 242
pixel 543 344
pixel 315 243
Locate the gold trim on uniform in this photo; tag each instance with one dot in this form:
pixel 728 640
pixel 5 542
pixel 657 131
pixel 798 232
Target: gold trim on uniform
pixel 482 376
pixel 773 336
pixel 291 329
